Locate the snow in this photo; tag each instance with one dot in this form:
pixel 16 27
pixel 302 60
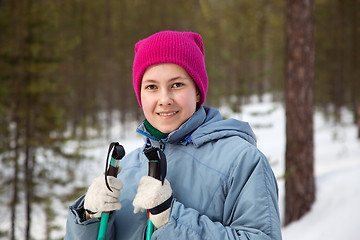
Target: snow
pixel 336 211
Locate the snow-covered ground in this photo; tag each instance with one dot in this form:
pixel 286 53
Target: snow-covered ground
pixel 336 212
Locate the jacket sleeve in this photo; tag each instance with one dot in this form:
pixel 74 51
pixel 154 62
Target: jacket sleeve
pixel 250 209
pixel 84 230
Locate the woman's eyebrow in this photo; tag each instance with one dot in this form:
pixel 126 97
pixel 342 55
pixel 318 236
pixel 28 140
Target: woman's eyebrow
pixel 150 80
pixel 179 77
pixel 175 78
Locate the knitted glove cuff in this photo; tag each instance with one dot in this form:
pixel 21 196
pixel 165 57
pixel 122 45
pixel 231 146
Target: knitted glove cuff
pixel 160 219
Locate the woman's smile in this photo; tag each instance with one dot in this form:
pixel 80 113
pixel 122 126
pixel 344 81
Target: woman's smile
pixel 167 114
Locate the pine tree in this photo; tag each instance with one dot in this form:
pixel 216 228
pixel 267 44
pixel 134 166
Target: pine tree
pixel 299 76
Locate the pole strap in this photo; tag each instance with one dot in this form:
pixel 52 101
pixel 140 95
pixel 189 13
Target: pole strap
pixel 162 207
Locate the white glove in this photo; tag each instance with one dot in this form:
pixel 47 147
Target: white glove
pixel 150 194
pixel 99 198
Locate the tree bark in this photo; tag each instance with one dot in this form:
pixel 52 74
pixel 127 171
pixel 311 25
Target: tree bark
pixel 354 69
pixel 29 163
pixel 358 120
pixel 262 39
pixel 299 75
pixel 14 197
pixel 18 35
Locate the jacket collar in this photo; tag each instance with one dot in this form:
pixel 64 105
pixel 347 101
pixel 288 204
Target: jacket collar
pixel 182 134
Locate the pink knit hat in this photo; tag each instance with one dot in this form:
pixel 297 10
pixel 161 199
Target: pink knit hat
pixel 182 48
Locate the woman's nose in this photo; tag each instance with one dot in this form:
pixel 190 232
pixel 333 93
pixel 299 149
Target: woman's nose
pixel 165 97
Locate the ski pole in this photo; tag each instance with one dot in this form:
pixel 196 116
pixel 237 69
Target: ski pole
pixel 157 169
pixel 117 154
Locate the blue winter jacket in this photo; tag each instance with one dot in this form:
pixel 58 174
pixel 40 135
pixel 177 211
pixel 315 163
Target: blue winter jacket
pixel 223 186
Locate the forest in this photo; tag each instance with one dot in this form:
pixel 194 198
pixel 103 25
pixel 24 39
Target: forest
pixel 66 75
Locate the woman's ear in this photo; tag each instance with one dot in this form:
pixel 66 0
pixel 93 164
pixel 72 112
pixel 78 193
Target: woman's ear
pixel 198 96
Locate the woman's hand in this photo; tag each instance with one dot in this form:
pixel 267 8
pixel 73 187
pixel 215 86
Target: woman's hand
pixel 99 198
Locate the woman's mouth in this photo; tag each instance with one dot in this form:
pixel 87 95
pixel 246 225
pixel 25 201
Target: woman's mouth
pixel 166 114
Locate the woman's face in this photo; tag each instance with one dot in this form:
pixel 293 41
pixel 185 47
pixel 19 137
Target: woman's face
pixel 168 96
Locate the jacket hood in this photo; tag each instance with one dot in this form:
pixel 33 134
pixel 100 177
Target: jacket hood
pixel 215 128
pixel 204 126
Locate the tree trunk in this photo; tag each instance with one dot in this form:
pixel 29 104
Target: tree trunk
pixel 354 69
pixel 28 191
pixel 299 75
pixel 14 197
pixel 358 120
pixel 29 166
pixel 262 33
pixel 18 9
pixel 338 86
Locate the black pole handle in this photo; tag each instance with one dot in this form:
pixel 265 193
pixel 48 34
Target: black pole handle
pixel 157 163
pixel 112 168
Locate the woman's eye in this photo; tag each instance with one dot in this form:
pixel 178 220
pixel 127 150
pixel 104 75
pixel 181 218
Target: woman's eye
pixel 150 87
pixel 176 85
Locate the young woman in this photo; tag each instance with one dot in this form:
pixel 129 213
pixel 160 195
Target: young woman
pixel 218 184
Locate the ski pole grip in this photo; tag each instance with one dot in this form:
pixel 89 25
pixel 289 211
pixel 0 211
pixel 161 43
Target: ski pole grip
pixel 112 171
pixel 154 169
pixel 117 154
pixel 154 164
